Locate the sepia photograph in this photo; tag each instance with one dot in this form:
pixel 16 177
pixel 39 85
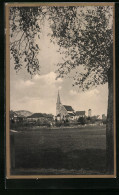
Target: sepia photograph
pixel 60 90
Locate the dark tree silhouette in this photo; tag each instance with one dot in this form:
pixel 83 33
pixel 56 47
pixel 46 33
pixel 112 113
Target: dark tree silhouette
pixel 85 37
pixel 82 120
pixel 24 29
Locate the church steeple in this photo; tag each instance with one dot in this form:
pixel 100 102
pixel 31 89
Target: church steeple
pixel 58 104
pixel 58 98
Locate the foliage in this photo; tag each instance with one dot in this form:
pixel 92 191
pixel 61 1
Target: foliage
pixel 24 30
pixel 93 119
pixel 88 118
pixel 82 120
pixel 20 125
pixel 43 122
pixel 104 121
pixel 67 120
pixel 58 123
pixel 84 36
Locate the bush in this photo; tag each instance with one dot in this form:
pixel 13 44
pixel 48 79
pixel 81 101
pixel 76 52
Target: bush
pixel 58 124
pixel 104 122
pixel 88 118
pixel 66 124
pixel 43 122
pixel 82 120
pixel 20 125
pixel 67 120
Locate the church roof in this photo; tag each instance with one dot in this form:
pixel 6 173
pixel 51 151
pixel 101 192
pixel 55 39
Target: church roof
pixel 68 108
pixel 71 114
pixel 78 113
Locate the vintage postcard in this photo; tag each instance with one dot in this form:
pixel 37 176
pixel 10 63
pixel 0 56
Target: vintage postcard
pixel 60 90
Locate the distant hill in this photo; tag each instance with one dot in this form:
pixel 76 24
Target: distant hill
pixel 23 113
pixel 12 114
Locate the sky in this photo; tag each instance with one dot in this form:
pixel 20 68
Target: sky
pixel 39 93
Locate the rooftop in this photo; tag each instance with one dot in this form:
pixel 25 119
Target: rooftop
pixel 68 108
pixel 38 115
pixel 78 113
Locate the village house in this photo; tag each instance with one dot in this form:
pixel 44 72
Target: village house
pixel 14 117
pixel 80 114
pixel 41 117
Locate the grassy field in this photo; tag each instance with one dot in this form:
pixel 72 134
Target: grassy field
pixel 59 151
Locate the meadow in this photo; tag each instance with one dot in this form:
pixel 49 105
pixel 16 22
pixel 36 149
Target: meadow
pixel 61 150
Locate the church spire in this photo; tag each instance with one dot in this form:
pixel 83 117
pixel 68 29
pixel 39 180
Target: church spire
pixel 58 98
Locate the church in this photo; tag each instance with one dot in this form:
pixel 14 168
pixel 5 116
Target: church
pixel 64 111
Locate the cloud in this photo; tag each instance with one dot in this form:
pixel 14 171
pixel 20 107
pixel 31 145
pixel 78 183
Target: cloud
pixel 72 92
pixel 28 83
pixel 93 92
pixel 36 77
pixel 49 78
pixel 20 84
pixel 37 94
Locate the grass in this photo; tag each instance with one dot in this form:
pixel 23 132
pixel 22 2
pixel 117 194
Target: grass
pixel 60 151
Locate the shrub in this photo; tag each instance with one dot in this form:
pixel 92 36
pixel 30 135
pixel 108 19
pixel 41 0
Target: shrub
pixel 58 124
pixel 66 124
pixel 82 120
pixel 104 122
pixel 67 120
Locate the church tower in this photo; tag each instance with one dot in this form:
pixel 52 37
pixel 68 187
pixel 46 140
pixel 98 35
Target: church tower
pixel 58 104
pixel 89 112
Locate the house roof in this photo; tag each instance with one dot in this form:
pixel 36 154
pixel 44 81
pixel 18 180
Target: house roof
pixel 78 113
pixel 68 108
pixel 38 115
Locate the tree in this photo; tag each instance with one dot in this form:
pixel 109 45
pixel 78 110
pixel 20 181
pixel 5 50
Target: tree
pixel 82 120
pixel 24 29
pixel 85 37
